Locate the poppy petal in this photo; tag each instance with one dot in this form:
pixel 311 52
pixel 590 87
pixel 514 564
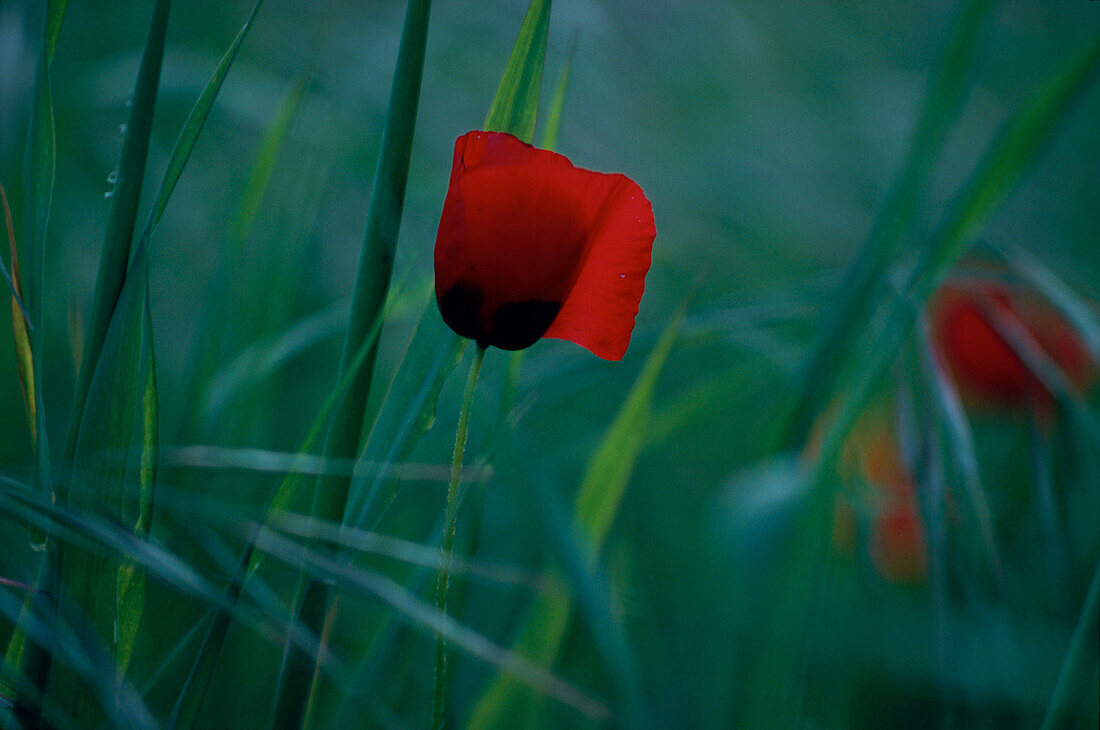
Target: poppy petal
pixel 522 236
pixel 599 313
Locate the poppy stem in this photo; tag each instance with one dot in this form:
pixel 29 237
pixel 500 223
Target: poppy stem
pixel 449 538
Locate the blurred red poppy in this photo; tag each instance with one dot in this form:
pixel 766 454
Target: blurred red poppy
pixel 897 533
pixel 886 495
pixel 897 544
pixel 980 329
pixel 530 246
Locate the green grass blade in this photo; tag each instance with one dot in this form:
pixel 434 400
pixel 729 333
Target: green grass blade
pixel 11 279
pixel 119 403
pixel 123 215
pixel 551 128
pixel 125 352
pixel 190 698
pixel 55 18
pixel 406 413
pixel 39 170
pixel 94 533
pixel 19 324
pixel 960 441
pixel 265 357
pixel 609 469
pixel 942 105
pixel 1076 310
pixel 1016 147
pixel 131 579
pixel 516 103
pixel 216 387
pixel 263 167
pixel 372 280
pixel 597 503
pixel 80 658
pixel 357 581
pixel 192 127
pixel 40 164
pixel 1079 662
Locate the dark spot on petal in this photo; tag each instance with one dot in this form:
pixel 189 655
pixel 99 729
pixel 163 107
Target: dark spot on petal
pixel 520 324
pixel 459 306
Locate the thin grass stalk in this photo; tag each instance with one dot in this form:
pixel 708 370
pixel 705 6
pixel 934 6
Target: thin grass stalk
pixel 450 522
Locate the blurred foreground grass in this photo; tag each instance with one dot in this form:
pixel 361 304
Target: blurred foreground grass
pixel 742 580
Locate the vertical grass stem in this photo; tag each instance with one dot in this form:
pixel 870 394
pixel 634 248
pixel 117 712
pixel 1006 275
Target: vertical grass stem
pixel 449 537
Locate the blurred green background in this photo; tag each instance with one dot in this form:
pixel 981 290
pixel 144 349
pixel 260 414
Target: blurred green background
pixel 766 135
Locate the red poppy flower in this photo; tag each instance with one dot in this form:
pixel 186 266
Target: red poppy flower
pixel 897 545
pixel 896 532
pixel 971 326
pixel 530 246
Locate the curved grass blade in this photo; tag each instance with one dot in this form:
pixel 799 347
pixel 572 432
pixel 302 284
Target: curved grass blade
pixel 960 441
pixel 124 353
pixel 942 105
pixel 131 580
pixel 263 167
pixel 1075 309
pixel 193 126
pixel 112 595
pixel 1015 148
pixel 516 103
pixel 261 359
pixel 355 580
pixel 597 503
pixel 122 217
pixel 40 165
pixel 113 269
pixel 1079 662
pixel 19 325
pixel 405 551
pixel 12 278
pixel 39 169
pixel 93 533
pixel 194 689
pixel 83 658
